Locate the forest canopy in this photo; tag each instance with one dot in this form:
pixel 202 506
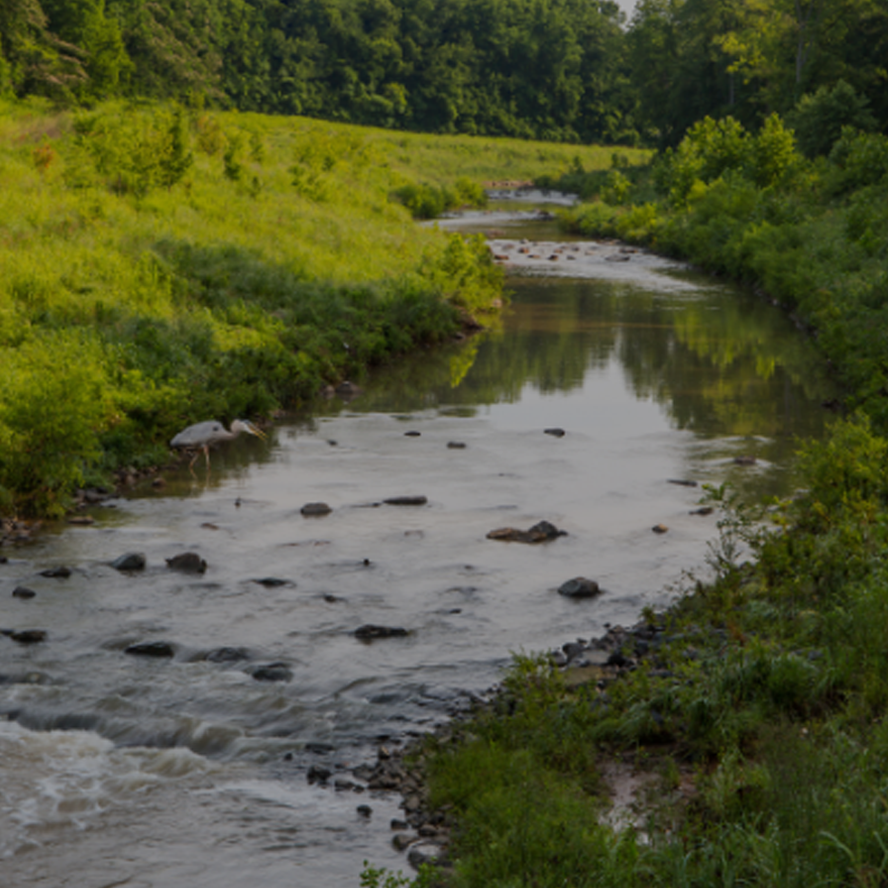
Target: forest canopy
pixel 557 70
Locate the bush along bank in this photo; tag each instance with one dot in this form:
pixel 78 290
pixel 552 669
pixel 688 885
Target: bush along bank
pixel 160 266
pixel 746 723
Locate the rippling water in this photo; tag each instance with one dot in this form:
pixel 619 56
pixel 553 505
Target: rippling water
pixel 128 770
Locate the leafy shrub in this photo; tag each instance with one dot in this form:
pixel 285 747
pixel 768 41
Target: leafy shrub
pixel 818 119
pixel 860 159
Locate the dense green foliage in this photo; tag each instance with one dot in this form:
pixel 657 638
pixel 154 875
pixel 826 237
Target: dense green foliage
pixel 812 235
pixel 561 70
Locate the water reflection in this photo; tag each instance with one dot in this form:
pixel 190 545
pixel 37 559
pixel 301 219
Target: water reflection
pixel 719 362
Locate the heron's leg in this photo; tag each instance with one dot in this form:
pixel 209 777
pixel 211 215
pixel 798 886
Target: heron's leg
pixel 206 451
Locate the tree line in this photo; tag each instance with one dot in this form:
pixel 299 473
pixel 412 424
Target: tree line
pixel 558 70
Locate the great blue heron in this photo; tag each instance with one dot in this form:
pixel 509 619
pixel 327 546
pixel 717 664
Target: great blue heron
pixel 201 435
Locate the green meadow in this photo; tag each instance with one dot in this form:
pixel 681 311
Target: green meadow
pixel 162 265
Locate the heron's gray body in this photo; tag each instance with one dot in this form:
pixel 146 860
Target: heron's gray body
pixel 202 435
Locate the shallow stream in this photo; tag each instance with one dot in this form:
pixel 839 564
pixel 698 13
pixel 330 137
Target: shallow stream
pixel 184 772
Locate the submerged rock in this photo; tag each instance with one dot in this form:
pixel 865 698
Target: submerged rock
pixel 539 533
pixel 23 592
pixel 315 510
pixel 61 571
pixel 272 582
pixel 29 636
pixel 406 500
pixel 151 649
pixel 187 562
pixel 130 561
pixel 579 587
pixel 369 631
pixel 227 655
pixel 272 672
pixel 555 433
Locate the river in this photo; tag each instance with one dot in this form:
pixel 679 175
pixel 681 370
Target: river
pixel 184 771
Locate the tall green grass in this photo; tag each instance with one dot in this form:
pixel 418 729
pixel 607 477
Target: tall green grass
pixel 159 266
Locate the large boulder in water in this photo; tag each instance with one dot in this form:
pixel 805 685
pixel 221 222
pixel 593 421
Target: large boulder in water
pixel 539 533
pixel 130 561
pixel 187 562
pixel 579 587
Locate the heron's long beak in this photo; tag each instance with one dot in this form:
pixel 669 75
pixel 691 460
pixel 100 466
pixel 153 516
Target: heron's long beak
pixel 256 431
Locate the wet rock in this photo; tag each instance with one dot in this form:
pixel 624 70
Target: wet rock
pixel 412 434
pixel 23 592
pixel 315 510
pixel 406 500
pixel 272 672
pixel 617 257
pixel 660 528
pixel 398 825
pixel 151 649
pixel 187 562
pixel 346 786
pixel 456 445
pixel 369 631
pixel 29 636
pixel 579 587
pixel 424 853
pixel 539 533
pixel 364 810
pixel 319 748
pixel 227 655
pixel 402 841
pixel 744 460
pixel 130 561
pixel 272 582
pixel 60 572
pixel 158 483
pixel 683 482
pixel 318 774
pixel 703 510
pixel 82 520
pixel 555 433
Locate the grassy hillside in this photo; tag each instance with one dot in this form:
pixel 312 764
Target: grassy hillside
pixel 159 267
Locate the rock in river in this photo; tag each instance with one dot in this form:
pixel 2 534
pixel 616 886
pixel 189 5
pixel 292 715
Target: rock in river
pixel 579 587
pixel 227 655
pixel 151 649
pixel 368 632
pixel 28 636
pixel 61 572
pixel 315 510
pixel 130 561
pixel 272 672
pixel 23 592
pixel 406 500
pixel 187 562
pixel 539 533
